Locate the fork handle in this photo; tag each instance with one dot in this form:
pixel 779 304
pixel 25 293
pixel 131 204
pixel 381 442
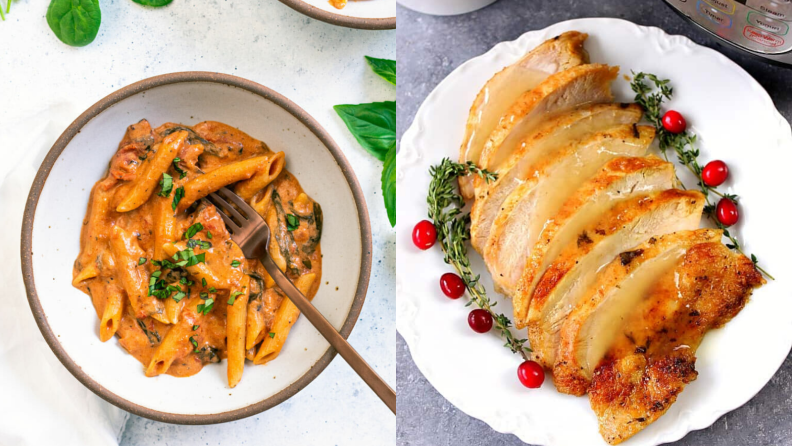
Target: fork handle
pixel 358 364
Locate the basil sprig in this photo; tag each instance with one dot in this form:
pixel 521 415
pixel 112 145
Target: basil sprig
pixel 374 127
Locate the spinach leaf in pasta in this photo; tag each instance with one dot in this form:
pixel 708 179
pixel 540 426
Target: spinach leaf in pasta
pixel 389 184
pixel 74 22
pixel 385 68
pixel 373 125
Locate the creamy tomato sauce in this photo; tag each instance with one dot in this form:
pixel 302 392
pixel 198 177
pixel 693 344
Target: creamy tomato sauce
pixel 294 218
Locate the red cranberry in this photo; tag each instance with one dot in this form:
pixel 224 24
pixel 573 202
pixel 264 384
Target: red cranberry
pixel 727 212
pixel 424 234
pixel 480 320
pixel 452 285
pixel 715 173
pixel 674 122
pixel 531 374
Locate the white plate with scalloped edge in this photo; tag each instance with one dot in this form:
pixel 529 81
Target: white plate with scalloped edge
pixel 736 121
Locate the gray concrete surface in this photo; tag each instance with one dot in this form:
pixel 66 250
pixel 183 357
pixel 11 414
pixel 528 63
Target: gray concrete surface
pixel 429 48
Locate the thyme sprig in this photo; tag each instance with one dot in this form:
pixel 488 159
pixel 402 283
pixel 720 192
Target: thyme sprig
pixel 453 231
pixel 651 99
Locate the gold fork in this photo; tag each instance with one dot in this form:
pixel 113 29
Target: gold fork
pixel 249 230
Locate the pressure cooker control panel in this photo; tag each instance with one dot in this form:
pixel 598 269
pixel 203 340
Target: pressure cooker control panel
pixel 760 27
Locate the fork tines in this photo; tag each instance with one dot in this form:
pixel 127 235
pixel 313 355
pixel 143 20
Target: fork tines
pixel 227 203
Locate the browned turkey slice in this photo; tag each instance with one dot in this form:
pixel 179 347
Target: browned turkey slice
pixel 571 276
pixel 620 179
pixel 561 92
pixel 653 355
pixel 498 94
pixel 550 137
pixel 593 325
pixel 528 209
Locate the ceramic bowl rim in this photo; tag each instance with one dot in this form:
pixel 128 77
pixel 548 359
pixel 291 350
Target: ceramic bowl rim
pixel 340 19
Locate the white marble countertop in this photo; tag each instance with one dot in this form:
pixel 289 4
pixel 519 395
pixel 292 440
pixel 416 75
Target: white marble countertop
pixel 314 64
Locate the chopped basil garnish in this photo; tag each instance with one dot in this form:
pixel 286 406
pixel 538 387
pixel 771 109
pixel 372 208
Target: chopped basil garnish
pixel 166 184
pixel 209 235
pixel 206 307
pixel 179 296
pixel 195 327
pixel 194 243
pixel 141 261
pixel 212 289
pixel 192 230
pixel 235 263
pixel 182 172
pixel 292 222
pixel 271 334
pixel 203 281
pixel 234 296
pixel 194 343
pixel 176 196
pixel 204 296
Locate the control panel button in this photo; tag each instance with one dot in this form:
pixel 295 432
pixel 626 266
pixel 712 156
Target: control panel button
pixel 726 6
pixel 768 24
pixel 713 14
pixel 763 38
pixel 776 9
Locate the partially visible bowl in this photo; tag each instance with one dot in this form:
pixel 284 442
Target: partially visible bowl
pixel 57 204
pixel 360 14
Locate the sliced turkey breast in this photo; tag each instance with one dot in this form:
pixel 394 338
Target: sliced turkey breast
pixel 595 322
pixel 561 92
pixel 620 179
pixel 572 275
pixel 528 209
pixel 653 355
pixel 551 136
pixel 498 94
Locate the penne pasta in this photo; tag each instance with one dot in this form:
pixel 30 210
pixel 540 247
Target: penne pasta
pixel 262 178
pixel 235 330
pixel 172 285
pixel 151 172
pixel 207 183
pixel 111 316
pixel 285 317
pixel 176 343
pixel 134 277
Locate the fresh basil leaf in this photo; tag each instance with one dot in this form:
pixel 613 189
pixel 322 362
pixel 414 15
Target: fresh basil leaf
pixel 373 125
pixel 153 3
pixel 233 297
pixel 74 22
pixel 389 185
pixel 385 68
pixel 271 334
pixel 142 261
pixel 235 263
pixel 192 230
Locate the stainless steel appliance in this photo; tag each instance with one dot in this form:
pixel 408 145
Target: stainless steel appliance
pixel 758 27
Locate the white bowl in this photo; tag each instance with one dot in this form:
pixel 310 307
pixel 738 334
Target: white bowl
pixel 57 204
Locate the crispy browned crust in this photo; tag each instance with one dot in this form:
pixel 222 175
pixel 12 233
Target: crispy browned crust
pixel 641 377
pixel 568 374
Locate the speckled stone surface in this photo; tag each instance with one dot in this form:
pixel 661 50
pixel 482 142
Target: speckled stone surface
pixel 429 49
pixel 314 64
